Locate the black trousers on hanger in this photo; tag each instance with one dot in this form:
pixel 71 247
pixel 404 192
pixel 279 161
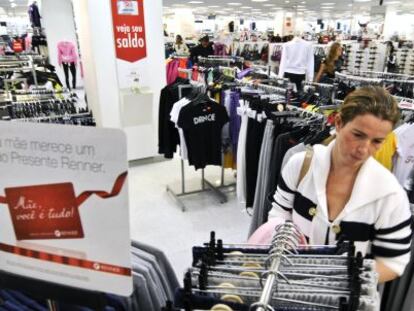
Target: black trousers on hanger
pixel 72 67
pixel 254 139
pixel 295 78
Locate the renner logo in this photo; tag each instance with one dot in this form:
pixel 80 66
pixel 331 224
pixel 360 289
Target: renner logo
pixel 208 118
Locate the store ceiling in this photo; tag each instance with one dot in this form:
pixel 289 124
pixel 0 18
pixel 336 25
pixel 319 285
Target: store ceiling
pixel 307 8
pixel 15 7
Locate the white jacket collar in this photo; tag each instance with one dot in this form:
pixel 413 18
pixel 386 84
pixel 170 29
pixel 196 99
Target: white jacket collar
pixel 373 181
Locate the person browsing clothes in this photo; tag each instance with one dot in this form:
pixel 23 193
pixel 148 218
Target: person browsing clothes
pixel 180 47
pixel 345 192
pixel 330 65
pixel 204 49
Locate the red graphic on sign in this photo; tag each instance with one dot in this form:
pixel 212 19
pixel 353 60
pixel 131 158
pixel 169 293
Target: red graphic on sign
pixel 44 212
pixel 50 211
pixel 129 29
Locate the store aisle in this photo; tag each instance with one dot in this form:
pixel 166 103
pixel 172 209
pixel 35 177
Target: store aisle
pixel 157 220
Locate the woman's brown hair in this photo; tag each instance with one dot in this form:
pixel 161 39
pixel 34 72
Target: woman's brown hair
pixel 373 100
pixel 332 57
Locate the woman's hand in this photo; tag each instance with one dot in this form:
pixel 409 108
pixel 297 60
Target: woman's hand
pixel 385 273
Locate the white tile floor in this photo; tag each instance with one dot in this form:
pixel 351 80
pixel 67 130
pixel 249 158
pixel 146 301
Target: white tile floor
pixel 156 219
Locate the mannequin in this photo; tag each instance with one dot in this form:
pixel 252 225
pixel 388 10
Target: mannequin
pixel 68 58
pixel 34 15
pixel 297 61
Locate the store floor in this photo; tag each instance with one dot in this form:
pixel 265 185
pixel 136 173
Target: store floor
pixel 156 219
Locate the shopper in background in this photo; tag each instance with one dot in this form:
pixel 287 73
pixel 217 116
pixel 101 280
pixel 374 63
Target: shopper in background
pixel 204 49
pixel 331 64
pixel 180 48
pixel 391 58
pixel 341 191
pixel 278 39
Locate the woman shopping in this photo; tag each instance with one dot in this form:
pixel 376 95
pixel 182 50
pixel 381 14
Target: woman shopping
pixel 180 48
pixel 330 65
pixel 341 191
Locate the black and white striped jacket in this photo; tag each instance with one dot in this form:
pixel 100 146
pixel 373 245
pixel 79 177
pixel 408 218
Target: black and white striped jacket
pixel 377 216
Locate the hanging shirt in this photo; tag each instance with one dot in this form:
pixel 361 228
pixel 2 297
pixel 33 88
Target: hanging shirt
pixel 386 153
pixel 174 114
pixel 202 124
pixel 404 159
pixel 67 53
pixel 297 58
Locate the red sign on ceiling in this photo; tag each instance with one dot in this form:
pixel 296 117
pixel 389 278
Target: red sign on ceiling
pixel 129 29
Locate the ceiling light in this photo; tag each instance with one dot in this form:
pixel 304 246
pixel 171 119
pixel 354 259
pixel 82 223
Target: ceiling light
pixel 362 0
pixel 268 4
pixel 213 6
pixel 195 2
pixel 13 5
pixel 392 2
pixel 245 7
pixel 287 1
pixel 328 3
pixel 234 3
pixel 259 0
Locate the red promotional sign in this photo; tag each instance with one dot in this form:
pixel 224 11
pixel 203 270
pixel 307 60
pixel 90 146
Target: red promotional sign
pixel 129 29
pixel 50 211
pixel 44 212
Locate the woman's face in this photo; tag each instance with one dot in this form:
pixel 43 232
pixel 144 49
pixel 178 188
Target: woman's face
pixel 360 138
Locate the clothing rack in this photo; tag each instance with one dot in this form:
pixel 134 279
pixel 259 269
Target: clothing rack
pixel 332 88
pixel 30 67
pixel 204 182
pixel 268 68
pixel 222 59
pixel 380 80
pixel 350 77
pixel 220 272
pixel 286 237
pixel 387 75
pixel 287 91
pixel 64 116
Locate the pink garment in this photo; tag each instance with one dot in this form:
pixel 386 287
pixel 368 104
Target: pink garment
pixel 172 71
pixel 67 53
pixel 264 234
pixel 28 43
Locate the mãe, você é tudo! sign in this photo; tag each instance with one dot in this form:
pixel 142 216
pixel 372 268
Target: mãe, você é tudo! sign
pixel 129 29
